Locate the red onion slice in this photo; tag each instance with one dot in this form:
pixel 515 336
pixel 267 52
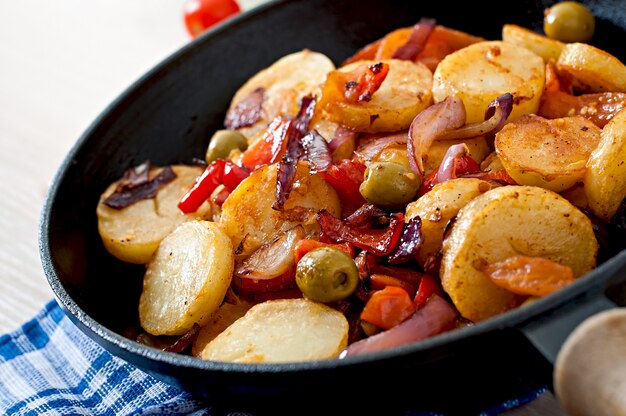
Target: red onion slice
pixel 496 114
pixel 447 168
pixel 272 259
pixel 317 152
pixel 247 112
pixel 435 317
pixel 410 242
pixel 375 146
pixel 429 125
pixel 417 40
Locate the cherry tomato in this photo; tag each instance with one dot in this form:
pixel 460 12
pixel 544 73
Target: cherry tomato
pixel 202 14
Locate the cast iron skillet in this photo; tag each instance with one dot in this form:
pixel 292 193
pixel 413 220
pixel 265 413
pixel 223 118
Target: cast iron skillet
pixel 168 116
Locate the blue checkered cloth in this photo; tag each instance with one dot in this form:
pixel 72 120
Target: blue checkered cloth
pixel 49 367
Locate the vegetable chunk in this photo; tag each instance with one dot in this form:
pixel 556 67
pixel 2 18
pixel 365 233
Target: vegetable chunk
pixel 504 222
pixel 285 330
pixel 187 279
pixel 133 233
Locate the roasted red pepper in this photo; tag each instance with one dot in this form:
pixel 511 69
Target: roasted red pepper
pixel 377 241
pixel 427 287
pixel 388 307
pixel 269 148
pixel 217 173
pixel 346 177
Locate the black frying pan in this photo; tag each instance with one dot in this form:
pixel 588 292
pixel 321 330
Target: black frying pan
pixel 168 117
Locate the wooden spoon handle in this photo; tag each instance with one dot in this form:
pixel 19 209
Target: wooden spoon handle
pixel 590 369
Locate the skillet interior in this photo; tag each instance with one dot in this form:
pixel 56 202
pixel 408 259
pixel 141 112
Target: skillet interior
pixel 168 116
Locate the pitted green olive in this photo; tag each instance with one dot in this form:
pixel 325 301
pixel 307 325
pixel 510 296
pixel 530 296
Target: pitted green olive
pixel 569 21
pixel 389 185
pixel 223 142
pixel 327 274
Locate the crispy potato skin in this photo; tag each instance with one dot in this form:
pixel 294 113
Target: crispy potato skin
pixel 440 205
pixel 187 279
pixel 589 69
pixel 550 153
pixel 403 94
pixel 547 48
pixel 132 234
pixel 605 179
pixel 248 213
pixel 504 222
pixel 285 82
pixel 481 72
pixel 284 330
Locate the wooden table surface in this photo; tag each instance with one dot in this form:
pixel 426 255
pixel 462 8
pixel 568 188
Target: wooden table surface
pixel 61 63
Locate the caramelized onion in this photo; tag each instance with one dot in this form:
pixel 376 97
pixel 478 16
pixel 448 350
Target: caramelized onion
pixel 429 125
pixel 410 242
pixel 435 317
pixel 417 40
pixel 496 114
pixel 247 112
pixel 272 259
pixel 372 148
pixel 317 152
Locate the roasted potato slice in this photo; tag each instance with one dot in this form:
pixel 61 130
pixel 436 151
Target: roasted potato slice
pixel 285 330
pixel 284 82
pixel 133 233
pixel 483 71
pixel 605 179
pixel 438 206
pixel 247 213
pixel 550 153
pixel 219 321
pixel 405 92
pixel 590 69
pixel 187 279
pixel 504 222
pixel 540 44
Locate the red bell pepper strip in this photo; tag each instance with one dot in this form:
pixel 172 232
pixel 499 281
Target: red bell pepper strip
pixel 269 148
pixel 428 286
pixel 388 307
pixel 381 281
pixel 377 241
pixel 217 173
pixel 304 246
pixel 346 177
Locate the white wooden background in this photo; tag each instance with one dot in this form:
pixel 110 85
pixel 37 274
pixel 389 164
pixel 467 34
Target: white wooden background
pixel 61 63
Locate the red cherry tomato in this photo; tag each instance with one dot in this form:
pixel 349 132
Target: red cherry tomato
pixel 202 14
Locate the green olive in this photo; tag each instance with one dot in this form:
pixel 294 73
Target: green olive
pixel 327 274
pixel 569 21
pixel 389 185
pixel 223 142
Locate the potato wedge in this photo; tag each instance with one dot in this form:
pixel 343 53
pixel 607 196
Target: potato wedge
pixel 590 69
pixel 540 44
pixel 219 321
pixel 247 213
pixel 285 330
pixel 504 222
pixel 438 206
pixel 405 92
pixel 132 234
pixel 483 71
pixel 550 153
pixel 285 82
pixel 187 279
pixel 605 179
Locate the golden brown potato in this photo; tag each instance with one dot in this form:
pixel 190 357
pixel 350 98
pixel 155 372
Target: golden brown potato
pixel 590 69
pixel 405 92
pixel 540 44
pixel 605 179
pixel 284 330
pixel 550 153
pixel 219 321
pixel 187 279
pixel 504 222
pixel 285 82
pixel 247 213
pixel 438 206
pixel 483 71
pixel 132 234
